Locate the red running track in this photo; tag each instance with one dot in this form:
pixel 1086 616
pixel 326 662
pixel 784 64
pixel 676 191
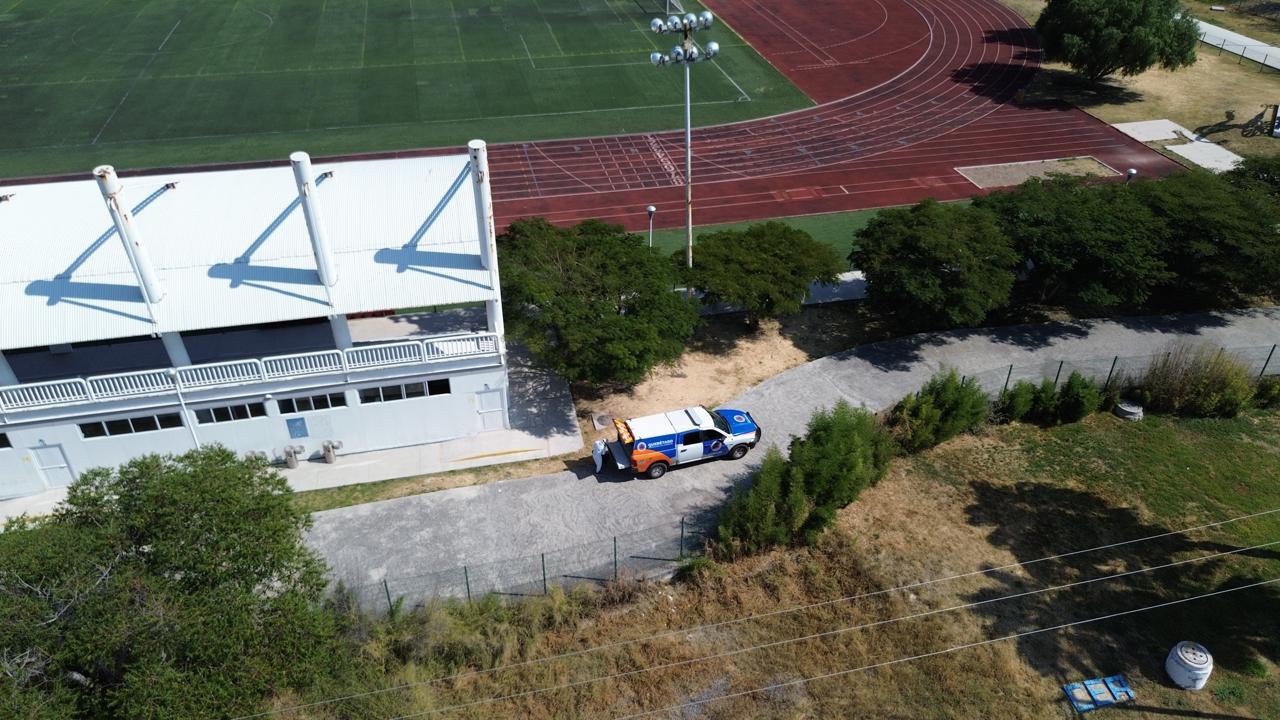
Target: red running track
pixel 908 91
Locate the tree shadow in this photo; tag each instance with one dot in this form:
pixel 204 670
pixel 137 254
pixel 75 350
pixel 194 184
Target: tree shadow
pixel 1033 520
pixel 1253 127
pixel 539 401
pixel 822 330
pixel 999 81
pixel 1180 324
pixel 1013 37
pixel 1057 88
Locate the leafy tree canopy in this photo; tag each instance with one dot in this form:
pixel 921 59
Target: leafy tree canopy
pixel 170 587
pixel 1257 173
pixel 935 266
pixel 1098 38
pixel 592 302
pixel 766 269
pixel 1219 240
pixel 1089 246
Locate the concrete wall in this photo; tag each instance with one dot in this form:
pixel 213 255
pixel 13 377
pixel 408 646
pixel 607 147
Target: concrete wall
pixel 359 427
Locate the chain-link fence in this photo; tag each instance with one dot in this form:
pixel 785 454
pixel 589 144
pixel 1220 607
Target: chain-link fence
pixel 651 552
pixel 1260 360
pixel 656 551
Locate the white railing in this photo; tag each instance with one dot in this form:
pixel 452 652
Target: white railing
pixel 162 381
pixel 317 363
pixel 56 392
pixel 148 382
pixel 407 353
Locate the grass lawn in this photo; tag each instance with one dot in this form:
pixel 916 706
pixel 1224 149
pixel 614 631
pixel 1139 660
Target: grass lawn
pixel 164 82
pixel 1221 96
pixel 834 229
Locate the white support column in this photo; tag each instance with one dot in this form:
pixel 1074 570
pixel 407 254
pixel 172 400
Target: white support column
pixel 112 192
pixel 177 349
pixel 341 331
pixel 479 153
pixel 306 182
pixel 7 376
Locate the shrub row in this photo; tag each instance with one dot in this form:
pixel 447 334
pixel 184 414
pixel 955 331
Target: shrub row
pixel 844 451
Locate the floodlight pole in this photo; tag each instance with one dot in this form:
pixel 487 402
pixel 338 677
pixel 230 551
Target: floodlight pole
pixel 652 211
pixel 686 54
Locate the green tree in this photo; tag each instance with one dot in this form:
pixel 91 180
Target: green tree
pixel 1098 38
pixel 592 302
pixel 1088 246
pixel 1219 241
pixel 766 269
pixel 169 587
pixel 946 406
pixel 1257 173
pixel 935 266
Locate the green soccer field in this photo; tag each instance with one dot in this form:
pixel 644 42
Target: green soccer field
pixel 165 82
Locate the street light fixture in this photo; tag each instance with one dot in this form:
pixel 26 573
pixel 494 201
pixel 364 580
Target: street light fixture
pixel 686 54
pixel 652 211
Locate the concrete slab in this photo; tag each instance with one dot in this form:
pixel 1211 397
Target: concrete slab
pixel 1207 155
pixel 1150 130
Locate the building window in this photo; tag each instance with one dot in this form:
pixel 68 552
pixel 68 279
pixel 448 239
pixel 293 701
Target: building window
pixel 389 393
pixel 289 406
pixel 128 426
pixel 4 441
pixel 229 413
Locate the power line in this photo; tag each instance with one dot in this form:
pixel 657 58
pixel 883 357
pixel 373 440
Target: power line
pixel 957 648
pixel 757 616
pixel 826 633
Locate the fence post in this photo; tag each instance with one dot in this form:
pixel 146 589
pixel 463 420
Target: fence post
pixel 1268 362
pixel 1111 372
pixel 615 558
pixel 544 573
pixel 1263 66
pixel 681 537
pixel 1223 45
pixel 466 579
pixel 1007 377
pixel 1059 373
pixel 387 589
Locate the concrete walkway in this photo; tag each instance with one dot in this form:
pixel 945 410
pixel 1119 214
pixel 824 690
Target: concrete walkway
pixel 1236 44
pixel 514 520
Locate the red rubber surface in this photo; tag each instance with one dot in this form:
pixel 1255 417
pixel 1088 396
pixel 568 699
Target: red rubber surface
pixel 909 90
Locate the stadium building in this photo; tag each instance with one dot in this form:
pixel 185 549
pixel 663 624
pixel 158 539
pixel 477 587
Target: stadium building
pixel 219 306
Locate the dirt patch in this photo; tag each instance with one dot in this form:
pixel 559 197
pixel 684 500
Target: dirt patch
pixel 1010 174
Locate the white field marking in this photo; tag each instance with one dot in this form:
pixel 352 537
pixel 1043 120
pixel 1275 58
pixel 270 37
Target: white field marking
pixel 271 133
pixel 743 93
pixel 457 29
pixel 550 30
pixel 605 65
pixel 527 53
pixel 364 33
pixel 134 84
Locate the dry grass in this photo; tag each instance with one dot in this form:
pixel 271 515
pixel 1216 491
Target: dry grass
pixel 1220 95
pixel 1255 18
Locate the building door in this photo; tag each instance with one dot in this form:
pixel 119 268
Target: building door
pixel 53 465
pixel 489 405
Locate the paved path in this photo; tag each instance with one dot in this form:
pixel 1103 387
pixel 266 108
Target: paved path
pixel 517 519
pixel 1237 44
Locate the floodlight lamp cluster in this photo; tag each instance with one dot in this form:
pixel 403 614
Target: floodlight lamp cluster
pixel 686 26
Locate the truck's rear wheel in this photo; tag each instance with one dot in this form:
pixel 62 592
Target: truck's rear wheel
pixel 656 470
pixel 738 452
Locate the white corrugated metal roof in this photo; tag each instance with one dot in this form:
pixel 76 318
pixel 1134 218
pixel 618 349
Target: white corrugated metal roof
pixel 228 250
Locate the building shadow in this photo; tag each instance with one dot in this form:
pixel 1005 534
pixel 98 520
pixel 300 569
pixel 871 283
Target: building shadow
pixel 1035 520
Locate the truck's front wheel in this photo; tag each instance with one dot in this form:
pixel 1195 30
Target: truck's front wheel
pixel 656 470
pixel 738 452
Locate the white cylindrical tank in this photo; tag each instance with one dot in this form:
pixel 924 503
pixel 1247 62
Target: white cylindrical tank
pixel 1189 665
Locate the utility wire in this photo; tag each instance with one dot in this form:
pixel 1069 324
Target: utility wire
pixel 826 633
pixel 991 641
pixel 757 616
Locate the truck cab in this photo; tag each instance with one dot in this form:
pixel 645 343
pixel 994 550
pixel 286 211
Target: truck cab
pixel 652 444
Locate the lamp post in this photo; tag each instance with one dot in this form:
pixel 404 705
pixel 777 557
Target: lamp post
pixel 686 54
pixel 1131 174
pixel 652 211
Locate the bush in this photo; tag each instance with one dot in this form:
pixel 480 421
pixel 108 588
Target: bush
pixel 1078 398
pixel 1267 394
pixel 1015 403
pixel 1195 381
pixel 945 407
pixel 1044 404
pixel 844 451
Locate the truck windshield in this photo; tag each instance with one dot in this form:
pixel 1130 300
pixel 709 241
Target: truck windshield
pixel 721 424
